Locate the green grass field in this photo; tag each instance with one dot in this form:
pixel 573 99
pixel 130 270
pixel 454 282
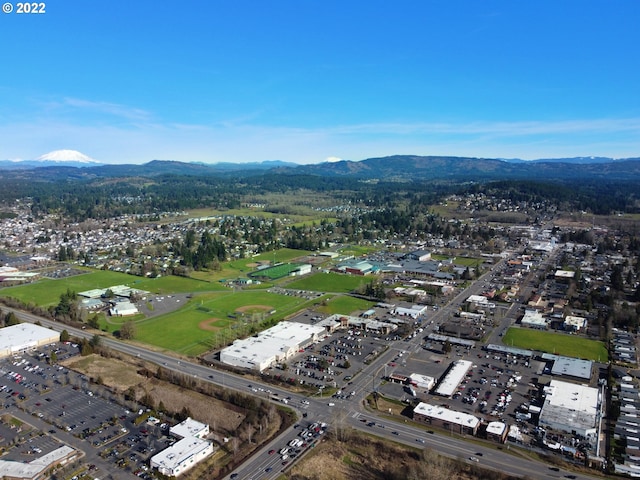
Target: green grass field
pixel 241 268
pixel 183 331
pixel 558 343
pixel 275 273
pixel 345 305
pixel 329 282
pixel 357 250
pixel 47 292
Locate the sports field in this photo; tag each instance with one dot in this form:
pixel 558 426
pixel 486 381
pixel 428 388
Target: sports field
pixel 243 266
pixel 209 319
pixel 276 272
pixel 330 282
pixel 558 343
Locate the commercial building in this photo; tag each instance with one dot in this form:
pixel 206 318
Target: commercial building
pixel 343 322
pixel 569 366
pixel 186 452
pixel 452 420
pixel 24 337
pixel 276 344
pixel 452 379
pixel 422 381
pixel 414 311
pixel 571 408
pixel 574 323
pixel 190 428
pixel 38 468
pixel 564 275
pixel 497 431
pixel 534 319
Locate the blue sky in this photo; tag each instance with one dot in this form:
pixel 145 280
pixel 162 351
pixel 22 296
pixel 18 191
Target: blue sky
pixel 306 81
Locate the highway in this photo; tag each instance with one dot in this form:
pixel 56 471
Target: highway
pixel 345 412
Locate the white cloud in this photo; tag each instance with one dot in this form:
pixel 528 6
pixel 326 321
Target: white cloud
pixel 74 106
pixel 332 159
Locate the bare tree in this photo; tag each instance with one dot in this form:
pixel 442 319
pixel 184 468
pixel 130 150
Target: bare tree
pixel 248 432
pixel 128 330
pixel 235 445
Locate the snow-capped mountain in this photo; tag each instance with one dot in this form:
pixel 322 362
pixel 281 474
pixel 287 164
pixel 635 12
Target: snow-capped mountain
pixel 57 158
pixel 66 156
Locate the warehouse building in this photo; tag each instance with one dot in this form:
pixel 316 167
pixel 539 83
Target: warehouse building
pixel 571 408
pixel 24 337
pixel 274 345
pixel 569 366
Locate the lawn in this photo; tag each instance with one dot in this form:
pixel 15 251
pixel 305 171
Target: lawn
pixel 329 282
pixel 461 261
pixel 47 292
pixel 212 318
pixel 557 343
pixel 345 305
pixel 357 250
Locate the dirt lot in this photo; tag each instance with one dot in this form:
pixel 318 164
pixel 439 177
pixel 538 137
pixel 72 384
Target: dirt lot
pixel 119 376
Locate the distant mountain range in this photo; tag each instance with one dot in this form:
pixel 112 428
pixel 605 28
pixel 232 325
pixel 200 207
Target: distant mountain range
pixel 401 168
pixel 411 167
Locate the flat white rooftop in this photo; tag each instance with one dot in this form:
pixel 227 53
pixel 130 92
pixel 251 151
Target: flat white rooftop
pixel 454 376
pixel 25 335
pixel 565 274
pixel 422 381
pixel 477 299
pixel 573 367
pixel 446 415
pixel 273 342
pixel 570 404
pixel 496 428
pixel 31 469
pixel 189 428
pixel 173 456
pixel 533 317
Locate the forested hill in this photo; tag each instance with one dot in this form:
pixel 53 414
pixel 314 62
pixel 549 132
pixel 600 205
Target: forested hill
pixel 110 190
pixel 392 168
pixel 411 167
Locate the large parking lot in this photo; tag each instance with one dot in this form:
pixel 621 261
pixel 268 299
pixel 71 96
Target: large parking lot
pixel 494 387
pixel 332 363
pixel 56 407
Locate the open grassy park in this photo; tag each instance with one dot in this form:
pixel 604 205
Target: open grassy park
pixel 557 343
pixel 345 305
pixel 212 319
pixel 46 292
